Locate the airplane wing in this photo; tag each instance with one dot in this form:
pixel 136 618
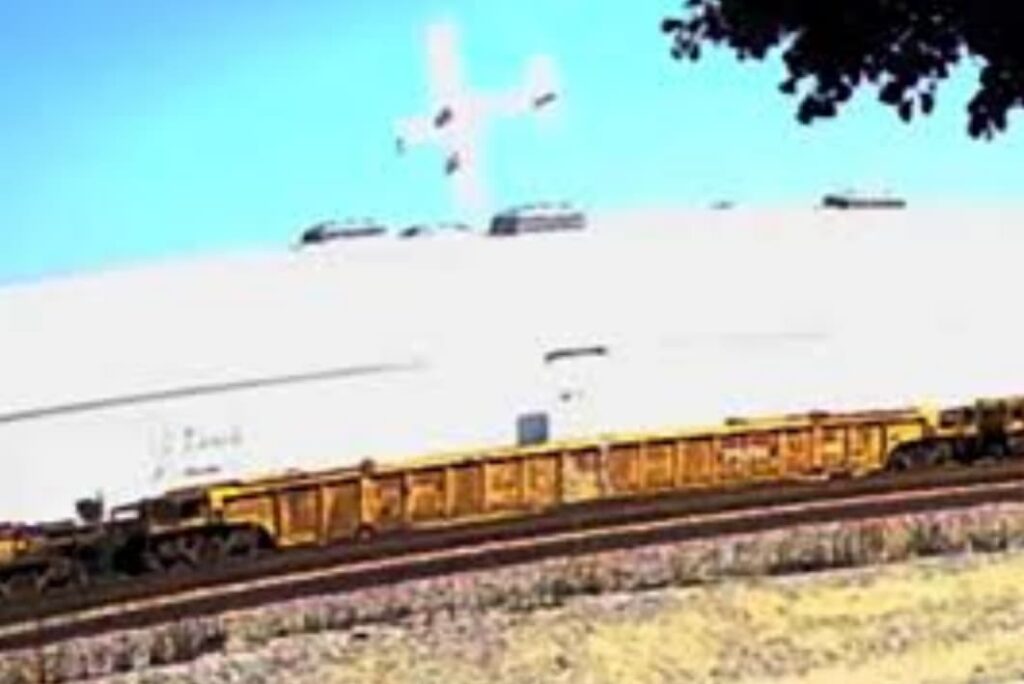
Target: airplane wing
pixel 443 64
pixel 444 73
pixel 539 91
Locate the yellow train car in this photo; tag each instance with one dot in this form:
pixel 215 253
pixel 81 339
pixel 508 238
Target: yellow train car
pixel 462 488
pixel 195 527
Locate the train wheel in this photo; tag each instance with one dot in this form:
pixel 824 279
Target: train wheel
pixel 243 544
pixel 151 561
pixel 921 456
pixel 997 448
pixel 941 454
pixel 26 584
pixel 1015 445
pixel 908 458
pixel 901 460
pixel 188 552
pixel 168 556
pixel 199 550
pixel 61 574
pixel 161 556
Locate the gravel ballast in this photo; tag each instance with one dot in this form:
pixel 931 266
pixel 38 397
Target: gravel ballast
pixel 591 616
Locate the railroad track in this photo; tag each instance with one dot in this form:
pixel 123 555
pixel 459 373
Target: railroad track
pixel 571 532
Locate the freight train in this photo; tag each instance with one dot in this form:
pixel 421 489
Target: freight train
pixel 196 527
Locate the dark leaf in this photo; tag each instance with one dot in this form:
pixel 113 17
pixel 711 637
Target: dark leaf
pixel 927 103
pixel 891 93
pixel 906 110
pixel 671 25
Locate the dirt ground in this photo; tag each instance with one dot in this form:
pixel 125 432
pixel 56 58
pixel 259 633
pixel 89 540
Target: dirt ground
pixel 957 619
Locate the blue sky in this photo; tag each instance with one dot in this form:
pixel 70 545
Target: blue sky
pixel 135 131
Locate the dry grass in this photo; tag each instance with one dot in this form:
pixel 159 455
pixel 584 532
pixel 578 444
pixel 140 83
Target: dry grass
pixel 928 621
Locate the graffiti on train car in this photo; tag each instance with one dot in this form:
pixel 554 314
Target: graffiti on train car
pixel 755 454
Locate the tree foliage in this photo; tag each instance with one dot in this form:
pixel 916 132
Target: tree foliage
pixel 904 48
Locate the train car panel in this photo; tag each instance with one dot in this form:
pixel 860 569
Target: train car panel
pixel 582 474
pixel 747 457
pixel 730 458
pixel 503 484
pixel 385 501
pixel 13 543
pixel 659 465
pixel 427 492
pixel 542 480
pixel 299 511
pixel 764 446
pixel 832 449
pixel 342 508
pixel 8 550
pixel 735 460
pixel 903 432
pixel 795 451
pixel 467 497
pixel 257 509
pixel 865 445
pixel 696 464
pixel 623 465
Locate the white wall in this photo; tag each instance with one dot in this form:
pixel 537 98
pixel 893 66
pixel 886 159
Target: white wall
pixel 704 316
